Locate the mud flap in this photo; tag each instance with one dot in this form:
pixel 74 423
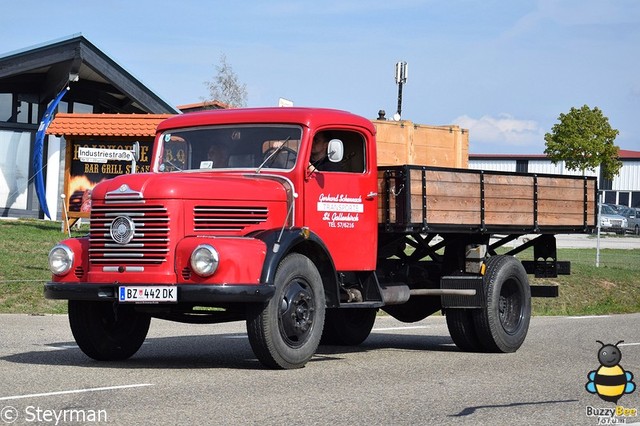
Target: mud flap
pixel 462 283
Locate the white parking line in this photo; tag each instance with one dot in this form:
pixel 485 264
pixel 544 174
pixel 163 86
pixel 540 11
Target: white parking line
pixel 61 347
pixel 35 395
pixel 629 344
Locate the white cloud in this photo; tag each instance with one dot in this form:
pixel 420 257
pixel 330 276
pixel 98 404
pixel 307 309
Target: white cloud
pixel 502 130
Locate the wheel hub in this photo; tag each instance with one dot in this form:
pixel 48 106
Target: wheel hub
pixel 510 307
pixel 297 310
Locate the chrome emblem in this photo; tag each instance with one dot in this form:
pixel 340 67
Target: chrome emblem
pixel 122 229
pixel 124 187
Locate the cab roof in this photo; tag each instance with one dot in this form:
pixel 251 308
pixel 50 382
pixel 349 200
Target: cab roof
pixel 309 117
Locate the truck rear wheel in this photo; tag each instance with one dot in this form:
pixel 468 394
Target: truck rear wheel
pixel 285 333
pixel 462 329
pixel 107 332
pixel 502 325
pixel 347 327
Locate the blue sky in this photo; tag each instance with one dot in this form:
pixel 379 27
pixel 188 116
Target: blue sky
pixel 503 69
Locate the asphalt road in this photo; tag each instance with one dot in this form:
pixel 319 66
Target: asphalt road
pixel 402 374
pixel 607 240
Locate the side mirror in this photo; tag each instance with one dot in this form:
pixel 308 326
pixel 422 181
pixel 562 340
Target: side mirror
pixel 135 156
pixel 335 150
pixel 136 151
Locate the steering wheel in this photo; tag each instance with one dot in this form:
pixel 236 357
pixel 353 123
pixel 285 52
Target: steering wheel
pixel 284 159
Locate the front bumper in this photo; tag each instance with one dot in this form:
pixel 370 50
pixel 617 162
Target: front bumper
pixel 186 293
pixel 616 229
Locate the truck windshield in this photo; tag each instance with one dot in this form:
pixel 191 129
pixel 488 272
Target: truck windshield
pixel 230 147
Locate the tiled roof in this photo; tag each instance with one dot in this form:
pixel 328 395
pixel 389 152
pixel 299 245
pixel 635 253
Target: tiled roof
pixel 116 125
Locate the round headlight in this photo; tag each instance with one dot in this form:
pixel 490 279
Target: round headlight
pixel 204 260
pixel 60 259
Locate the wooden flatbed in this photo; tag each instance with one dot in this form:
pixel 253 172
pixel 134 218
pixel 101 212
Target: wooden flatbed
pixel 433 199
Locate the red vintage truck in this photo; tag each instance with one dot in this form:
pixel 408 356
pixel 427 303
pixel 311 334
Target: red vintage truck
pixel 243 218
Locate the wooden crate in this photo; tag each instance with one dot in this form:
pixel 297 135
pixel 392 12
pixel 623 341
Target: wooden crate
pixel 430 198
pixel 403 142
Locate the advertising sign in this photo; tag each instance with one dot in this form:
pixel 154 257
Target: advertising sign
pixel 90 162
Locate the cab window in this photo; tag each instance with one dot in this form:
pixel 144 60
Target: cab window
pixel 353 160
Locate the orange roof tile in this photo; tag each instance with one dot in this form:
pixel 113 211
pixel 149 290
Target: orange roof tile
pixel 116 125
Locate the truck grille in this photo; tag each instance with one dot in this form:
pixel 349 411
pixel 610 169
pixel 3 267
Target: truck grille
pixel 129 234
pixel 227 218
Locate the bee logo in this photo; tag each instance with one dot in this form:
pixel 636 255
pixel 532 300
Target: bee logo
pixel 610 381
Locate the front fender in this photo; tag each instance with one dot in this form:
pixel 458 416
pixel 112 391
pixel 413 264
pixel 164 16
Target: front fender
pixel 280 243
pixel 80 249
pixel 241 260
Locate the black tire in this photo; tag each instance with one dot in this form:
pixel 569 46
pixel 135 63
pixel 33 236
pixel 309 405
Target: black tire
pixel 347 327
pixel 285 333
pixel 107 332
pixel 504 322
pixel 462 329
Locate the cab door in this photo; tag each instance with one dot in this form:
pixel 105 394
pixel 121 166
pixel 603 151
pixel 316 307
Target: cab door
pixel 340 203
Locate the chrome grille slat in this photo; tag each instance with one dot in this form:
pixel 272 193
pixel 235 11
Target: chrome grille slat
pixel 111 245
pixel 106 239
pixel 124 255
pixel 114 250
pixel 122 202
pixel 150 242
pixel 147 219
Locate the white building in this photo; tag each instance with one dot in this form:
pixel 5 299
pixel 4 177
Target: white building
pixel 623 189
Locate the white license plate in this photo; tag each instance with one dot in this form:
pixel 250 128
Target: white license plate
pixel 147 294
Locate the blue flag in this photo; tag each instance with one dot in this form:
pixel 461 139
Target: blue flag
pixel 38 148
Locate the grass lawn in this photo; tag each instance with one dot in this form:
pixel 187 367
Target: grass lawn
pixel 24 246
pixel 614 287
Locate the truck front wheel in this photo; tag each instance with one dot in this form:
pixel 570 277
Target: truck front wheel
pixel 107 332
pixel 285 333
pixel 503 323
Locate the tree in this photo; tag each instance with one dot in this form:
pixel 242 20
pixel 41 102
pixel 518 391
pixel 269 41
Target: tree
pixel 583 139
pixel 225 87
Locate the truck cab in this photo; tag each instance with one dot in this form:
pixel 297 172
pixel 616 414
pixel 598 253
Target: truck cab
pixel 328 197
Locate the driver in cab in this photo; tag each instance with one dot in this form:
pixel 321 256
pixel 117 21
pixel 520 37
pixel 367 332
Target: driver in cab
pixel 319 159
